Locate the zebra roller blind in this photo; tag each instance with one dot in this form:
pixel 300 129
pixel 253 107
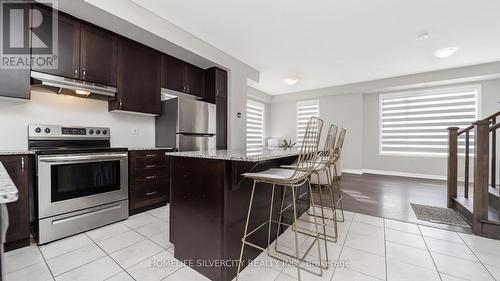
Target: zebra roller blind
pixel 305 110
pixel 255 126
pixel 415 123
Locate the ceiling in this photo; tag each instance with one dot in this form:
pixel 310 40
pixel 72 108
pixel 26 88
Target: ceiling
pixel 327 43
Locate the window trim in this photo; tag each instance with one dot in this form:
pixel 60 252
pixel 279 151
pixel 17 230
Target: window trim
pixel 257 104
pixel 444 90
pixel 302 103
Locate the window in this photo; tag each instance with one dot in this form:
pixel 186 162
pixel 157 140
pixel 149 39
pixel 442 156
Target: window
pixel 415 123
pixel 255 125
pixel 305 110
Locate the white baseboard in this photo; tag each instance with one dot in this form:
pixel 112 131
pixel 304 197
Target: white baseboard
pixel 401 174
pixel 352 171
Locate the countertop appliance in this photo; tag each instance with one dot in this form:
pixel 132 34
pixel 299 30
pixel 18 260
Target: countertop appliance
pixel 82 183
pixel 187 125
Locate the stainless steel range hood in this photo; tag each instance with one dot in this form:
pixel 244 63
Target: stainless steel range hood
pixel 62 85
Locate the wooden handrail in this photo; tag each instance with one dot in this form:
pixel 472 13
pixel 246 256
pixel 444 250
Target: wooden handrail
pixel 466 129
pixel 484 134
pixel 494 115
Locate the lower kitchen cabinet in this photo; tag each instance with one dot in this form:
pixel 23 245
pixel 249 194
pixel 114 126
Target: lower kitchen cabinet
pixel 149 179
pixel 20 170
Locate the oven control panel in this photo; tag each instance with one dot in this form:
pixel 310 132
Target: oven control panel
pixel 48 132
pixel 73 131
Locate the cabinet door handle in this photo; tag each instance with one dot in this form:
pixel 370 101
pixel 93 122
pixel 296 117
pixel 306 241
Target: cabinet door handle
pixel 150 166
pixel 120 104
pixel 151 193
pixel 76 72
pixel 151 177
pixel 150 155
pixel 217 91
pixel 83 73
pixel 22 164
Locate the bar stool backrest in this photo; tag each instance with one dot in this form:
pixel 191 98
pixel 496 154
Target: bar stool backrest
pixel 309 149
pixel 329 148
pixel 340 144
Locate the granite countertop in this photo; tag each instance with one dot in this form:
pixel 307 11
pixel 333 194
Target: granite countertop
pixel 238 155
pixel 16 152
pixel 8 191
pixel 149 148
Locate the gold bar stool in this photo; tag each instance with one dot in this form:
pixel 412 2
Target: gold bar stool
pixel 289 179
pixel 322 165
pixel 335 175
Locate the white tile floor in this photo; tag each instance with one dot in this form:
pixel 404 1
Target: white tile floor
pixel 369 248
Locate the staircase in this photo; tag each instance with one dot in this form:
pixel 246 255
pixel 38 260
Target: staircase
pixel 476 197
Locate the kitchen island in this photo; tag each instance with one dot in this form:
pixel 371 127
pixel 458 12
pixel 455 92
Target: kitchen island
pixel 209 202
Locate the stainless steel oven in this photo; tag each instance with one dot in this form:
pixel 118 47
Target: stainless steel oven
pixel 80 186
pixel 66 182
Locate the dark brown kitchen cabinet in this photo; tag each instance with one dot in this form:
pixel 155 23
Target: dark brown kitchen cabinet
pixel 216 92
pixel 15 82
pixel 68 44
pixel 84 52
pixel 173 73
pixel 19 168
pixel 98 55
pixel 149 179
pixel 215 84
pixel 182 77
pixel 221 108
pixel 138 79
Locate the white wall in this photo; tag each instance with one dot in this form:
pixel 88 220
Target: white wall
pixel 490 98
pixel 355 106
pixel 343 110
pixel 48 108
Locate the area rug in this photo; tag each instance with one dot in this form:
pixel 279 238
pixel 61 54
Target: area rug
pixel 438 215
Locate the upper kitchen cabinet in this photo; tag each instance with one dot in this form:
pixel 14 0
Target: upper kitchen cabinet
pixel 98 55
pixel 84 52
pixel 138 79
pixel 15 82
pixel 180 76
pixel 215 84
pixel 68 44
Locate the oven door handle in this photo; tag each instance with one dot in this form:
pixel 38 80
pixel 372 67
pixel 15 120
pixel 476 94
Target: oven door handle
pixel 87 158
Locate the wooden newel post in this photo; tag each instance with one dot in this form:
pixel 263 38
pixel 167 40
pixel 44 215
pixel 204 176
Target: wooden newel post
pixel 481 174
pixel 452 164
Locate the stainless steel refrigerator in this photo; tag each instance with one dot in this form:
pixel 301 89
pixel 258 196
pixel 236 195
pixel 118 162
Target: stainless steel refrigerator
pixel 187 125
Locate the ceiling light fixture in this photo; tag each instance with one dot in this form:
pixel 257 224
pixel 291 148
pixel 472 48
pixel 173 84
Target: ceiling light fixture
pixel 423 36
pixel 291 81
pixel 445 52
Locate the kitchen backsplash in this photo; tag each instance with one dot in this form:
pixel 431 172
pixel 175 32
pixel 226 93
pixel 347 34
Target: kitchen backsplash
pixel 128 130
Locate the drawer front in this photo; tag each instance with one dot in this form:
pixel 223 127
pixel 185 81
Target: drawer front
pixel 148 194
pixel 148 162
pixel 148 153
pixel 148 174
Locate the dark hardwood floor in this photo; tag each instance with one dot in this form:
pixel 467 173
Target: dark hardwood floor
pixel 390 197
